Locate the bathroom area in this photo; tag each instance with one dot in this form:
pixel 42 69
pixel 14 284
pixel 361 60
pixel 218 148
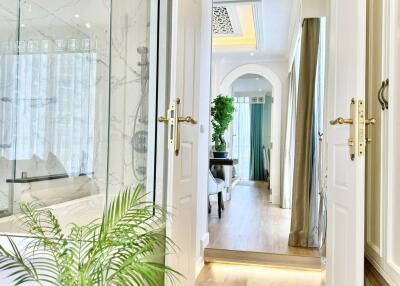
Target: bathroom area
pixel 78 105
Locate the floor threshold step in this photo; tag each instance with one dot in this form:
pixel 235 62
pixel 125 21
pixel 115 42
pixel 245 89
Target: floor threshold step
pixel 259 258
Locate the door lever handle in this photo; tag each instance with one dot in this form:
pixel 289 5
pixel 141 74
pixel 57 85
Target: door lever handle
pixel 163 119
pixel 341 121
pixel 187 119
pixel 371 121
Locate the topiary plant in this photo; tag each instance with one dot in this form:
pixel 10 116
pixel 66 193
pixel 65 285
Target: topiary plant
pixel 119 249
pixel 222 115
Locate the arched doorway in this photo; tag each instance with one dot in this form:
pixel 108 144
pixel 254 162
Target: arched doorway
pixel 225 88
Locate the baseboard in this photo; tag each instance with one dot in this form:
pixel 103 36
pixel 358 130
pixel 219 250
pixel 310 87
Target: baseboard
pixel 204 241
pixel 199 265
pixel 275 198
pixel 274 260
pixel 372 275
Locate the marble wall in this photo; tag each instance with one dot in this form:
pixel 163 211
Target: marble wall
pixel 119 108
pixel 130 87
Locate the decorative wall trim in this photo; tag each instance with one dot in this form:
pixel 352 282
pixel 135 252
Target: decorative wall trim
pixel 372 276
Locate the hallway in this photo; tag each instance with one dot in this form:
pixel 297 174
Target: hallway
pixel 250 223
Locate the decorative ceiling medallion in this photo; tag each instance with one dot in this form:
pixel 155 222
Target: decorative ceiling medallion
pixel 222 24
pixel 237 26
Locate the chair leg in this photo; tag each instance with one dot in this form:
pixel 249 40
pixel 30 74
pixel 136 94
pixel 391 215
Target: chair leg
pixel 209 205
pixel 220 204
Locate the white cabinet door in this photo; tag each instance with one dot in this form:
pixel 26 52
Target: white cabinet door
pixel 346 83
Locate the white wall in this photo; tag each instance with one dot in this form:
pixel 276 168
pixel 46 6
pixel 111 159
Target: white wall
pixel 267 120
pixel 314 8
pixel 204 114
pixel 303 9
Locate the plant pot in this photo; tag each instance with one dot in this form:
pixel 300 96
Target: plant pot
pixel 220 154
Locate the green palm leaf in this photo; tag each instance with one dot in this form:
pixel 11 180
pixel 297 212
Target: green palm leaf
pixel 126 247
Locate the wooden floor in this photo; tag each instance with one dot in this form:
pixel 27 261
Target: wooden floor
pixel 250 223
pixel 245 275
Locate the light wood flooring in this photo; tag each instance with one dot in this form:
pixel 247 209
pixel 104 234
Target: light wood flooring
pixel 214 274
pixel 250 223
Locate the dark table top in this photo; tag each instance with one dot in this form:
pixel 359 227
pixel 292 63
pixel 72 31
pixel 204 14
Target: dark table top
pixel 223 161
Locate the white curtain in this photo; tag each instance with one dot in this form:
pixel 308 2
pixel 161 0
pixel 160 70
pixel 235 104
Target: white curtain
pixel 241 139
pixel 290 135
pixel 50 107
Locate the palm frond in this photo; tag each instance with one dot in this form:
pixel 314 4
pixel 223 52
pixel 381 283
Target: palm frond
pixel 120 249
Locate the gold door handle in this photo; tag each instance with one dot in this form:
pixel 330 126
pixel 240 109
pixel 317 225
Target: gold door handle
pixel 187 119
pixel 371 121
pixel 163 119
pixel 179 119
pixel 173 119
pixel 341 121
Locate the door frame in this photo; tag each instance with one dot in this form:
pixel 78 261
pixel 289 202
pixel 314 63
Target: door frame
pixel 225 88
pixel 200 212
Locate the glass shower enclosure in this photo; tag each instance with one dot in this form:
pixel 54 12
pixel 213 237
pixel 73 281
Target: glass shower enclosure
pixel 78 101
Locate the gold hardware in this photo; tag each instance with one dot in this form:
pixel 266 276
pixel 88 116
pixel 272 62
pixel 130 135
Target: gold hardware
pixel 163 119
pixel 187 119
pixel 371 121
pixel 173 120
pixel 177 145
pixel 341 121
pixel 368 140
pixel 361 128
pixel 177 120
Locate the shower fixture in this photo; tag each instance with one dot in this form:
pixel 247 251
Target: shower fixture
pixel 140 134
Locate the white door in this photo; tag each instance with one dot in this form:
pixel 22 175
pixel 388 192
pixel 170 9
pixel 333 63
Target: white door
pixel 346 80
pixel 182 158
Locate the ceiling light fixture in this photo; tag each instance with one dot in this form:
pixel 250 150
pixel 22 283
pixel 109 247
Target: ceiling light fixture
pixel 251 54
pixel 77 16
pixel 88 25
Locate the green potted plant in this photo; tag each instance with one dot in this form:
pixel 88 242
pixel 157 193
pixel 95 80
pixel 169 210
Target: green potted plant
pixel 222 110
pixel 126 247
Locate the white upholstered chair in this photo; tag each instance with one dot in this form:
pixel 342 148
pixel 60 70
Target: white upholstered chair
pixel 215 187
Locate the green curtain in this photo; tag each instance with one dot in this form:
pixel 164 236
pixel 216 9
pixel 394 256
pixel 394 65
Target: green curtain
pixel 256 143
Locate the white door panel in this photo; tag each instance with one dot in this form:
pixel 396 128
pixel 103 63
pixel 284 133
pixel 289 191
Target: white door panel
pixel 346 80
pixel 182 171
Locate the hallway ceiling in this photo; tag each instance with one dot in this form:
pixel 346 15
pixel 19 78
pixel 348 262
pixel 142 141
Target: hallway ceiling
pixel 251 84
pixel 268 21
